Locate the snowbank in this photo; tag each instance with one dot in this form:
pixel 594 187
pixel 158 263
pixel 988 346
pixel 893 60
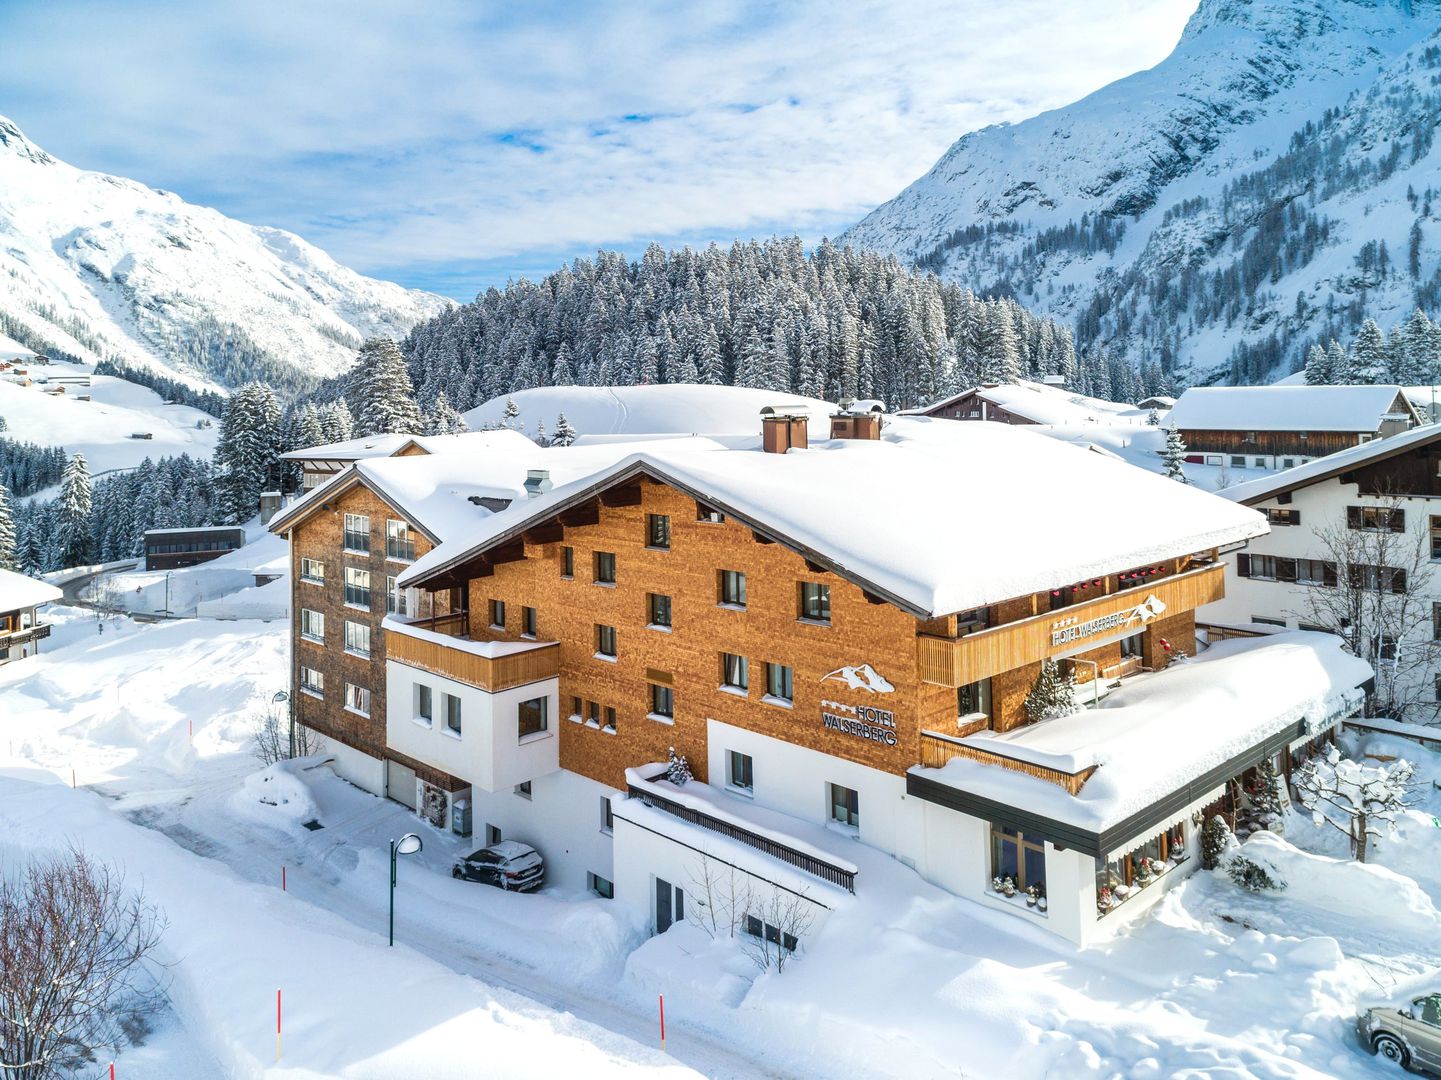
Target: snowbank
pixel 277 796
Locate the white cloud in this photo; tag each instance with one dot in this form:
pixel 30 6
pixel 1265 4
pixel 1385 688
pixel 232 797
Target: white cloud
pixel 458 133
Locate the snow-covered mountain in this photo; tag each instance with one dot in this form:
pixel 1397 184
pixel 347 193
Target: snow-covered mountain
pixel 1219 211
pixel 99 267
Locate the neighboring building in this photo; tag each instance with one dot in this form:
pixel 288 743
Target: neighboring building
pixel 1159 402
pixel 1386 487
pixel 321 463
pixel 21 628
pixel 1279 427
pixel 171 549
pixel 1029 403
pixel 838 653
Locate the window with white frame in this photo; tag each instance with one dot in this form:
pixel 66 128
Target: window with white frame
pixel 357 699
pixel 399 543
pixel 735 671
pixel 452 712
pixel 313 571
pixel 357 638
pixel 312 625
pixel 357 533
pixel 312 681
pixel 732 588
pixel 780 682
pixel 533 716
pixel 424 703
pixel 357 587
pixel 739 770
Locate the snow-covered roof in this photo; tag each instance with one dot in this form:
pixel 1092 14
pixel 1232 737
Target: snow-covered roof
pixel 665 408
pixel 1286 408
pixel 375 446
pixel 936 516
pixel 18 591
pixel 1043 404
pixel 1324 468
pixel 1223 703
pixel 351 449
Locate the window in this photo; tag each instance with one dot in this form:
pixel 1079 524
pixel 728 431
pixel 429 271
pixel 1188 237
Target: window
pixel 1379 578
pixel 1138 868
pixel 1282 516
pixel 607 815
pixel 1250 436
pixel 845 805
pixel 492 835
pixel 605 641
pixel 1376 518
pixel 1435 621
pixel 357 587
pixel 357 534
pixel 735 672
pixel 1435 537
pixel 738 771
pixel 523 789
pixel 312 681
pixel 534 716
pixel 313 570
pixel 974 699
pixel 609 724
pixel 1261 567
pixel 780 682
pixel 312 625
pixel 1438 687
pixel 527 622
pixel 733 588
pixel 659 609
pixel 815 602
pixel 1260 462
pixel 599 885
pixel 357 699
pixel 575 707
pixel 604 568
pixel 1383 648
pixel 1315 572
pixel 662 701
pixel 1018 857
pixel 593 711
pixel 657 530
pixel 497 614
pixel 708 514
pixel 424 706
pixel 452 712
pixel 1238 461
pixel 357 638
pixel 1132 647
pixel 758 928
pixel 567 562
pixel 399 544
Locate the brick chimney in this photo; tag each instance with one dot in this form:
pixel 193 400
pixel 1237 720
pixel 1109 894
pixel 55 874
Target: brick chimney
pixel 857 420
pixel 783 431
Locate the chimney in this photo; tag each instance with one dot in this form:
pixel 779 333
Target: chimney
pixel 857 420
pixel 537 483
pixel 783 431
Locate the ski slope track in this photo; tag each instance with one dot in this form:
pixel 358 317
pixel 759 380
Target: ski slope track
pixel 96 267
pixel 1220 201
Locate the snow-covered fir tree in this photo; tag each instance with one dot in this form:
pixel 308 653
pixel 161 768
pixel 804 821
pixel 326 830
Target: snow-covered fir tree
pixel 444 419
pixel 381 390
pixel 677 769
pixel 248 450
pixel 337 424
pixel 1266 798
pixel 1153 419
pixel 1369 355
pixel 510 418
pixel 1052 695
pixel 7 531
pixel 73 514
pixel 1174 455
pixel 1318 367
pixel 565 432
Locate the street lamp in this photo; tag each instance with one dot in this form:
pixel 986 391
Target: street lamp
pixel 409 844
pixel 279 696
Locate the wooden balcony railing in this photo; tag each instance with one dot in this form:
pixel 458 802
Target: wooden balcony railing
pixel 489 673
pixel 30 633
pixel 966 659
pixel 937 749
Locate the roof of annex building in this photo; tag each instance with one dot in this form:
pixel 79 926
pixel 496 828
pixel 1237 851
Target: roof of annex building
pixel 1285 408
pixel 1333 465
pixel 18 591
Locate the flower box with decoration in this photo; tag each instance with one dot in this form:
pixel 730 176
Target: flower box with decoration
pixel 1105 899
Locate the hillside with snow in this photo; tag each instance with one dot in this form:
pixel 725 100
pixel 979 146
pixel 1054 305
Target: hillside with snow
pixel 1268 184
pixel 97 267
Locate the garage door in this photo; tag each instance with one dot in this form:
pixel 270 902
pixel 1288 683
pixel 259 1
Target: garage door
pixel 400 783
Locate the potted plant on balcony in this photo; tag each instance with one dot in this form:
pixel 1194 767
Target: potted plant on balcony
pixel 998 883
pixel 1105 900
pixel 1008 885
pixel 1034 894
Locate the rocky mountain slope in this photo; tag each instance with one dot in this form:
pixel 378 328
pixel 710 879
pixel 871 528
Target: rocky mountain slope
pixel 99 267
pixel 1268 184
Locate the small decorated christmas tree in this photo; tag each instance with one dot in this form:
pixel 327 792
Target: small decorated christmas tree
pixel 678 771
pixel 1268 804
pixel 1053 695
pixel 1216 840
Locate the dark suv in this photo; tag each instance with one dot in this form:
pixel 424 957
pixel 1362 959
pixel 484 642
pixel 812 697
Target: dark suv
pixel 509 864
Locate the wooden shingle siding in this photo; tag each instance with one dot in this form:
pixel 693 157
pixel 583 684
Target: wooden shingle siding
pixel 485 673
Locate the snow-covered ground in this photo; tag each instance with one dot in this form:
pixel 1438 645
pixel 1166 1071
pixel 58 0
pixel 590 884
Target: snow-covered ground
pixel 1141 447
pixel 101 428
pixel 905 980
pixel 223 588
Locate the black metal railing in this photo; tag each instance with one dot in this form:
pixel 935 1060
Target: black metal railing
pixel 799 859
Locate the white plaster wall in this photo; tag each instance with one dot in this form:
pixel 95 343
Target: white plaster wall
pixel 359 768
pixel 562 820
pixel 488 751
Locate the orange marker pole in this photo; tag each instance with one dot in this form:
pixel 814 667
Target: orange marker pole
pixel 662 1023
pixel 277 1024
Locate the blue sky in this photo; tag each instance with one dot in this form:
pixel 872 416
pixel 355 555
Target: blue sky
pixel 453 145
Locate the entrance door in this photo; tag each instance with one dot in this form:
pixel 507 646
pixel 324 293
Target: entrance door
pixel 669 905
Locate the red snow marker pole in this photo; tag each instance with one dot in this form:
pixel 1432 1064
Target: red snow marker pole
pixel 277 1024
pixel 112 1070
pixel 662 1023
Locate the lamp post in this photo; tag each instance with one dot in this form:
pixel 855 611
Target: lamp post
pixel 281 695
pixel 409 844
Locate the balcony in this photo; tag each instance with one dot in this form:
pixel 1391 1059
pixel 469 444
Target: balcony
pixel 38 632
pixel 984 653
pixel 432 645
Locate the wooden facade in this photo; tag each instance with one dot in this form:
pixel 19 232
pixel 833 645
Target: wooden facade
pixel 483 672
pixel 1299 444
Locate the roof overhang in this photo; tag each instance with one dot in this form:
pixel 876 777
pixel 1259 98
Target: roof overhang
pixel 342 483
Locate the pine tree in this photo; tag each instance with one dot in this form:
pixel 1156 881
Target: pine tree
pixel 1318 367
pixel 1052 695
pixel 1216 840
pixel 564 432
pixel 444 419
pixel 248 450
pixel 336 422
pixel 381 389
pixel 1174 455
pixel 1267 801
pixel 73 531
pixel 1340 364
pixel 7 532
pixel 678 769
pixel 1153 419
pixel 1370 363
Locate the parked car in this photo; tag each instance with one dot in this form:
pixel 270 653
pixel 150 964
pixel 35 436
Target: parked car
pixel 509 864
pixel 1409 1036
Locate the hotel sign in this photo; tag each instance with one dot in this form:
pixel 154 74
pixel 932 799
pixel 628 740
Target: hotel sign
pixel 1066 631
pixel 860 721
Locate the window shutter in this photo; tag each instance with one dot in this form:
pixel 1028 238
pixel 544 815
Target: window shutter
pixel 1243 565
pixel 1353 517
